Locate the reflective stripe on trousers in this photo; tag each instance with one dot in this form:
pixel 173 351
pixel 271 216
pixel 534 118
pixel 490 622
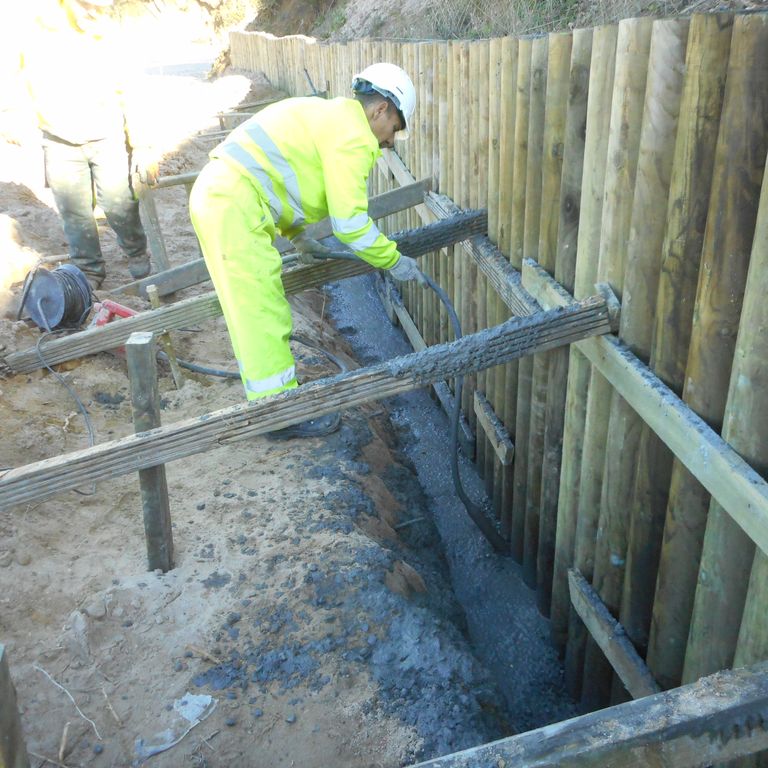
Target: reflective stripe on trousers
pixel 233 223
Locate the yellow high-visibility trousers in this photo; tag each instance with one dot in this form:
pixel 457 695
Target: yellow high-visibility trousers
pixel 236 231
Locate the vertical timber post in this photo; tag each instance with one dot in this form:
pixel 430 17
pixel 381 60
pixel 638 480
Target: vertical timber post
pixel 633 49
pixel 565 271
pixel 145 400
pixel 746 422
pixel 506 375
pixel 727 551
pixel 709 41
pixel 572 530
pixel 13 752
pixel 532 218
pixel 517 238
pixel 641 537
pixel 558 86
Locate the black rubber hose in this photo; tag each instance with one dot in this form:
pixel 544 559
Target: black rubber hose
pixel 478 515
pixel 207 371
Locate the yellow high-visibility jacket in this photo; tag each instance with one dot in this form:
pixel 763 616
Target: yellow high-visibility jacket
pixel 311 158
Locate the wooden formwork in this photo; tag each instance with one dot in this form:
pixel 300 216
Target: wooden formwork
pixel 633 155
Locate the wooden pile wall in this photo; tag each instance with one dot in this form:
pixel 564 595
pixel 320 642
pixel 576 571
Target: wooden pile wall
pixel 632 155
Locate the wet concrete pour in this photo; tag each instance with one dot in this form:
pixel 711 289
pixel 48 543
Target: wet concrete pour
pixel 508 634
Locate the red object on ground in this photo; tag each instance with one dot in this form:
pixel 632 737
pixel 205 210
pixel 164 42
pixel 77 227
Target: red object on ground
pixel 107 310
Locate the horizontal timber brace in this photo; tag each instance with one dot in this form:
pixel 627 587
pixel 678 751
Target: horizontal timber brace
pixel 611 638
pixel 413 242
pixel 715 719
pixel 741 491
pixel 513 339
pixel 195 272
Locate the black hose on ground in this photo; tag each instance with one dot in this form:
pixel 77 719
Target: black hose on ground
pixel 477 513
pixel 207 371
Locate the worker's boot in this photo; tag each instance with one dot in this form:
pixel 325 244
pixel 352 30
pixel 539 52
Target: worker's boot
pixel 319 427
pixel 139 266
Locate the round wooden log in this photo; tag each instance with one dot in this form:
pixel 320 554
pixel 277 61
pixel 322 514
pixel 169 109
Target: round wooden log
pixel 633 46
pixel 579 532
pixel 666 64
pixel 746 423
pixel 738 173
pixel 565 268
pixel 517 233
pixel 558 87
pixel 536 124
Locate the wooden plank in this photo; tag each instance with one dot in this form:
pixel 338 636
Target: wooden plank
pixel 737 487
pixel 414 243
pixel 611 638
pixel 13 751
pixel 151 222
pixel 195 272
pixel 516 337
pixel 716 719
pixel 494 430
pixel 738 173
pixel 685 513
pixel 141 357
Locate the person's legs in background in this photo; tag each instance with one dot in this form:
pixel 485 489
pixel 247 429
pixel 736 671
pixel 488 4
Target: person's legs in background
pixel 68 173
pixel 110 165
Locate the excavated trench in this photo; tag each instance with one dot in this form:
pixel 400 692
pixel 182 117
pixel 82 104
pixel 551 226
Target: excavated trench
pixel 508 635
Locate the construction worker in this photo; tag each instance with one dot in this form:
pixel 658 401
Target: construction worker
pixel 294 163
pixel 76 82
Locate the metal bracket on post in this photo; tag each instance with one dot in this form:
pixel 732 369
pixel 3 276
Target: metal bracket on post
pixel 145 400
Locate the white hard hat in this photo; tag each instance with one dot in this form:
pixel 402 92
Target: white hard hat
pixel 393 83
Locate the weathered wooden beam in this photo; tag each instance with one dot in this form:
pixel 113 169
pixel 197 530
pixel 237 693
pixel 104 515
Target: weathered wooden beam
pixel 151 222
pixel 13 752
pixel 610 636
pixel 194 272
pixel 414 243
pixel 511 340
pixel 494 429
pixel 716 719
pixel 741 491
pixel 392 296
pixel 145 401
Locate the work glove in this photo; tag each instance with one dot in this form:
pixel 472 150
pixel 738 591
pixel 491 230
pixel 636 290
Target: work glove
pixel 309 249
pixel 144 165
pixel 406 268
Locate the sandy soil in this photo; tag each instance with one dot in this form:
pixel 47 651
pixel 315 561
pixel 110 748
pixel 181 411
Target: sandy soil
pixel 321 633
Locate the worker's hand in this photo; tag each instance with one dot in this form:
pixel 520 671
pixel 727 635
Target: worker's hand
pixel 309 249
pixel 144 165
pixel 406 268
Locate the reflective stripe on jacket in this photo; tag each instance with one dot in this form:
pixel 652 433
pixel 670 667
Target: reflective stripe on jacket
pixel 312 157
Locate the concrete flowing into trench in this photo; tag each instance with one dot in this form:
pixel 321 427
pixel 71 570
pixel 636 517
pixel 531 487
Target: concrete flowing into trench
pixel 508 634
